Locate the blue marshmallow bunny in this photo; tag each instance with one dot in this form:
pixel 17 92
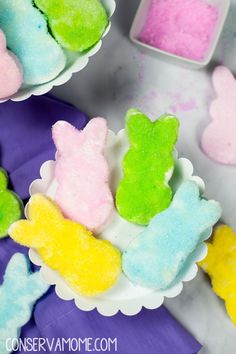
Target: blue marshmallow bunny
pixel 28 38
pixel 158 255
pixel 18 293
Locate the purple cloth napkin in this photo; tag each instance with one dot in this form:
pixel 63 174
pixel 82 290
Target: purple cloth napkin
pixel 25 143
pixel 25 136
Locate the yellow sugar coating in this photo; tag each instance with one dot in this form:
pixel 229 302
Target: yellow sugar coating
pixel 88 265
pixel 220 264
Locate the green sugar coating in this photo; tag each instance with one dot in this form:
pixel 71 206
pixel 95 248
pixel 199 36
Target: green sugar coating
pixel 10 205
pixel 76 24
pixel 147 167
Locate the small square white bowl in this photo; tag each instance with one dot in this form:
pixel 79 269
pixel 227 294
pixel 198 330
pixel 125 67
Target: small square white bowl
pixel 139 22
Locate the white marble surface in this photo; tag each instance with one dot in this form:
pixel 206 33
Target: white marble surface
pixel 120 77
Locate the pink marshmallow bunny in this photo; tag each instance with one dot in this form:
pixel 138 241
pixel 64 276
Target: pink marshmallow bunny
pixel 219 138
pixel 10 70
pixel 82 173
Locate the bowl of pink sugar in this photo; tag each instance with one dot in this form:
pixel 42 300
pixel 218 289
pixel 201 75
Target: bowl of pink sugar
pixel 182 31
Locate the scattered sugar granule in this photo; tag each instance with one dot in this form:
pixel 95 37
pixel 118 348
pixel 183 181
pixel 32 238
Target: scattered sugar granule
pixel 181 27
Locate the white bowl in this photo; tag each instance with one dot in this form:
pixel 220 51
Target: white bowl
pixel 139 21
pixel 124 296
pixel 75 63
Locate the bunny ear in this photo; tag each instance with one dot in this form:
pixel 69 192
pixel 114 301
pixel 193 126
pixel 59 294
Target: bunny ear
pixel 208 214
pixel 18 268
pixel 64 136
pixel 205 212
pixel 95 132
pixel 41 209
pixel 167 127
pixel 42 212
pixel 187 194
pixel 18 264
pixel 36 287
pixel 223 80
pixel 137 124
pixel 3 179
pixel 23 233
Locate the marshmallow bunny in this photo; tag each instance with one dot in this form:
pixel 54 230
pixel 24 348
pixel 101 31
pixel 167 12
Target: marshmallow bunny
pixel 88 265
pixel 219 138
pixel 220 264
pixel 76 24
pixel 11 206
pixel 10 70
pixel 18 293
pixel 82 173
pixel 147 167
pixel 157 256
pixel 28 38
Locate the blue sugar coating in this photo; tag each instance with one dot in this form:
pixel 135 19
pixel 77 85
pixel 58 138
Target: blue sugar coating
pixel 28 38
pixel 159 254
pixel 18 293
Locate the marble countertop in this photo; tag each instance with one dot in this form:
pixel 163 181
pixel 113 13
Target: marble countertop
pixel 120 76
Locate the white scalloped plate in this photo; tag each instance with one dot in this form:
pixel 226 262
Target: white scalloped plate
pixel 124 296
pixel 75 63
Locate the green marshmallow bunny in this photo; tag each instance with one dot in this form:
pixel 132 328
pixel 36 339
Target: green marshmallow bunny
pixel 147 167
pixel 10 205
pixel 76 24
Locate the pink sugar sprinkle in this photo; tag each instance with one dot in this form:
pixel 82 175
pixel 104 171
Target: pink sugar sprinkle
pixel 181 27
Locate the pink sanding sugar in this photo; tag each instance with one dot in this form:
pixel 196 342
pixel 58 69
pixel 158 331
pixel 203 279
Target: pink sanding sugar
pixel 181 27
